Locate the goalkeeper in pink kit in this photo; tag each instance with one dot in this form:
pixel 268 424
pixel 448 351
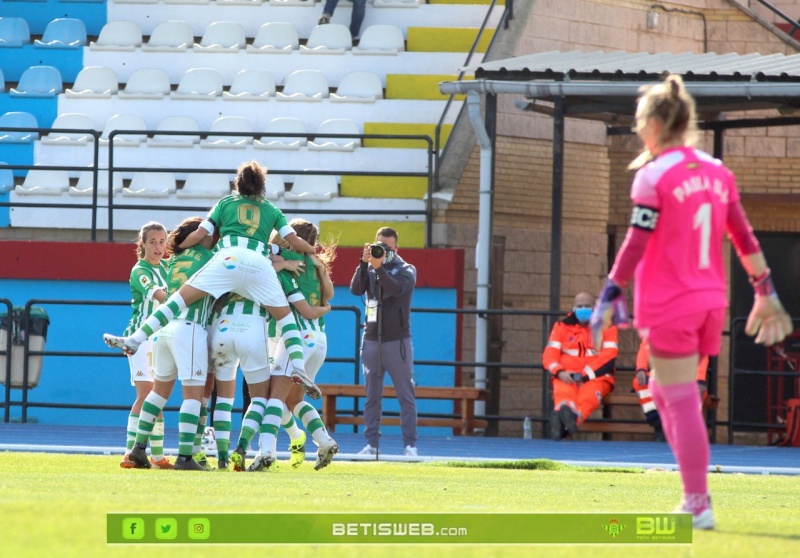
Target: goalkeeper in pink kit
pixel 684 202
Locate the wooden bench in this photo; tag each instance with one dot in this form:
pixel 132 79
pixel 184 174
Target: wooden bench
pixel 635 425
pixel 464 396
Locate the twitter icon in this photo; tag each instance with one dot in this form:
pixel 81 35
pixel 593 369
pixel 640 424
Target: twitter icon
pixel 166 528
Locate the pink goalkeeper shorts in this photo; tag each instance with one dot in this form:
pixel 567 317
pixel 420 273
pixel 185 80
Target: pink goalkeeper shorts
pixel 695 334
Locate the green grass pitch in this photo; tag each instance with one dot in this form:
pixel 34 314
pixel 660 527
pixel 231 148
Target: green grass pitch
pixel 54 505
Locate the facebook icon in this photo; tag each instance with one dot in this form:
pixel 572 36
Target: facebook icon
pixel 133 528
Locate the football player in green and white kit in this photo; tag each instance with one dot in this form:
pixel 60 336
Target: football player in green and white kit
pixel 181 351
pixel 240 265
pixel 148 284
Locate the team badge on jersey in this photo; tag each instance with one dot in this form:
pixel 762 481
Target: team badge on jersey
pixel 145 281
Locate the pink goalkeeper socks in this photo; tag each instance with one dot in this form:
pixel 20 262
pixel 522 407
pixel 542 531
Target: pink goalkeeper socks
pixel 682 419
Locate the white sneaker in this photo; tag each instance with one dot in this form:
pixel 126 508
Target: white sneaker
pixel 262 462
pixel 411 452
pixel 325 454
pixel 368 450
pixel 703 520
pixel 300 378
pixel 126 344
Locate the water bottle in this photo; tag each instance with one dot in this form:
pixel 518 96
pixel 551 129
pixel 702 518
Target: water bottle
pixel 526 428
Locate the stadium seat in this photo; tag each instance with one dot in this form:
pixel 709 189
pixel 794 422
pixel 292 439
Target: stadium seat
pixel 118 35
pixel 282 126
pixel 333 38
pixel 305 85
pixel 239 2
pixel 381 39
pixel 18 119
pixel 14 32
pixel 313 187
pixel 175 124
pixel 136 1
pixel 2 82
pixel 124 122
pixel 222 36
pixel 6 179
pixel 70 121
pixel 199 84
pixel 191 2
pixel 65 32
pixel 85 185
pixel 229 124
pixel 44 183
pixel 336 126
pixel 396 3
pixel 94 82
pixel 38 81
pixel 358 87
pixel 205 185
pixel 296 3
pixel 151 185
pixel 275 187
pixel 251 85
pixel 146 83
pixel 275 38
pixel 170 36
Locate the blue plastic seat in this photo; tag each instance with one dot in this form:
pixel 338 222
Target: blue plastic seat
pixel 65 32
pixel 6 179
pixel 14 32
pixel 18 120
pixel 2 82
pixel 38 81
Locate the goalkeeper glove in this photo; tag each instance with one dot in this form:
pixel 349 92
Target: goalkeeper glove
pixel 609 309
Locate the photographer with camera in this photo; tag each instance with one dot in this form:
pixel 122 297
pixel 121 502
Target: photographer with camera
pixel 388 283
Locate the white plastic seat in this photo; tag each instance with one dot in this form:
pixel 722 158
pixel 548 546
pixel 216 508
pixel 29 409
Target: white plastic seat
pixel 170 36
pixel 94 82
pixel 381 39
pixel 275 187
pixel 313 187
pixel 396 3
pixel 64 32
pixel 304 85
pixel 275 38
pixel 146 83
pixel 85 185
pixel 205 185
pixel 222 36
pixel 199 84
pixel 175 124
pixel 239 2
pixel 191 2
pixel 336 126
pixel 124 122
pixel 229 124
pixel 295 3
pixel 251 85
pixel 358 87
pixel 333 38
pixel 118 35
pixel 38 81
pixel 74 121
pixel 18 119
pixel 14 32
pixel 44 183
pixel 151 185
pixel 282 126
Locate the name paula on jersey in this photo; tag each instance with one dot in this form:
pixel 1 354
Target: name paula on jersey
pixel 697 184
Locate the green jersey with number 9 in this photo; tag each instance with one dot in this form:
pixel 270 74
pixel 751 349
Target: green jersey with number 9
pixel 246 216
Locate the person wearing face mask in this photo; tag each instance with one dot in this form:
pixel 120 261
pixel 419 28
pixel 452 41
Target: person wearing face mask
pixel 582 374
pixel 388 282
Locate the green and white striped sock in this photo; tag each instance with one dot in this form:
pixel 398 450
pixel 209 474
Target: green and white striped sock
pixel 130 437
pixel 173 306
pixel 157 440
pixel 310 418
pixel 222 425
pixel 201 426
pixel 268 438
pixel 252 421
pixel 290 334
pixel 289 424
pixel 151 408
pixel 187 426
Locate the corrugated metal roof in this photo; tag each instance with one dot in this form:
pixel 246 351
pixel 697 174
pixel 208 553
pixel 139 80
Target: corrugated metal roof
pixel 626 66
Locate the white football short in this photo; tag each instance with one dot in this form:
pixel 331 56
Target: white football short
pixel 141 363
pixel 241 271
pixel 182 352
pixel 240 339
pixel 315 349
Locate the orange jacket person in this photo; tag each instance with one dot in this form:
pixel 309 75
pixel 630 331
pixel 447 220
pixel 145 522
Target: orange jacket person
pixel 581 374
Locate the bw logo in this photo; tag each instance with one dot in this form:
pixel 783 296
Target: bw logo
pixel 655 526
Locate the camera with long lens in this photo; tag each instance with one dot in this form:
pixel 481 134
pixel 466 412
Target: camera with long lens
pixel 378 250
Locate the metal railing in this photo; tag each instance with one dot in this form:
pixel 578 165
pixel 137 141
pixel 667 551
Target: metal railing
pixel 794 25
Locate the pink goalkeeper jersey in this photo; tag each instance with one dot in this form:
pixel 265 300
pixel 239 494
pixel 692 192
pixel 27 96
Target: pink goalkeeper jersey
pixel 682 270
